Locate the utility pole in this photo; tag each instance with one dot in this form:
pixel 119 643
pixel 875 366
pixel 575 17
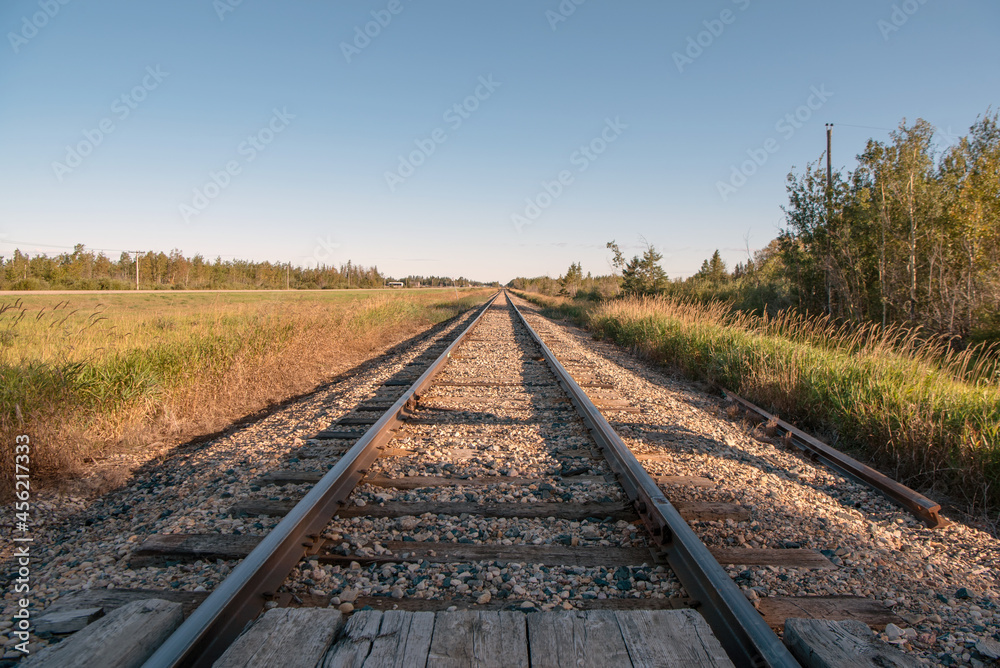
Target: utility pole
pixel 288 270
pixel 829 209
pixel 829 161
pixel 136 269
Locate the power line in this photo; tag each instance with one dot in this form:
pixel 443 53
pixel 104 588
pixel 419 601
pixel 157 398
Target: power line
pixel 34 243
pixel 866 127
pixel 937 128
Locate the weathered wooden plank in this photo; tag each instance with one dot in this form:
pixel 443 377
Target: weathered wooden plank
pixel 390 642
pixel 655 457
pixel 190 547
pixel 418 642
pixel 67 621
pixel 689 510
pixel 820 643
pixel 334 434
pixel 710 510
pixel 663 638
pixel 265 508
pixel 320 451
pixel 451 642
pixel 576 640
pixel 290 477
pixel 351 650
pixel 357 420
pixel 416 482
pixel 112 599
pixel 124 639
pixel 478 639
pixel 569 511
pixel 396 452
pixel 403 640
pixel 689 480
pixel 490 383
pixel 616 406
pixel 500 640
pixel 469 603
pixel 490 421
pixel 557 555
pixel 161 547
pixel 763 556
pixel 483 402
pixel 777 609
pixel 286 637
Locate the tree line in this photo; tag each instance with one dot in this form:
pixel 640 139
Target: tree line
pixel 911 237
pixel 83 269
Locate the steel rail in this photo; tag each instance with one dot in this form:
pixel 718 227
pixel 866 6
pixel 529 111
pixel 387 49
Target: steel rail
pixel 238 599
pixel 919 505
pixel 747 639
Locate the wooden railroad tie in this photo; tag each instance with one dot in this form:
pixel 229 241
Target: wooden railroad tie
pixel 292 477
pixel 162 548
pixel 338 434
pixel 484 638
pixel 689 510
pixel 775 609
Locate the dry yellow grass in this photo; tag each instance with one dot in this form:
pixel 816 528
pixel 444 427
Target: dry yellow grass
pixel 86 379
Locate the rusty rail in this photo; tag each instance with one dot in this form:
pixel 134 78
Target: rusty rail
pixel 918 504
pixel 744 635
pixel 221 617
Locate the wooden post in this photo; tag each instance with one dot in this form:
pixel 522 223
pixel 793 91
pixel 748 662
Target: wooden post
pixel 829 161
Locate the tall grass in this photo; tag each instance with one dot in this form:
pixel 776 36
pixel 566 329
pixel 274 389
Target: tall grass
pixel 912 404
pixel 101 378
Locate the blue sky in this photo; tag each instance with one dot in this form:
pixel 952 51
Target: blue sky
pixel 266 130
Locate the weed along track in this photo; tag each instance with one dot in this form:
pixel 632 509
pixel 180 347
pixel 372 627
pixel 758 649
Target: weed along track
pixel 509 496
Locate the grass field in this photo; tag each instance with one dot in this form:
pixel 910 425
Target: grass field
pixel 89 374
pixel 923 411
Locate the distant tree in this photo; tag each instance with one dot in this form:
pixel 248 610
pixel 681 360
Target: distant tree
pixel 570 283
pixel 714 270
pixel 644 276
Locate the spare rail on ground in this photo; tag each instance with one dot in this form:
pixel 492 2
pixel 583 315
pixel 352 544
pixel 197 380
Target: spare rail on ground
pixel 744 635
pixel 217 622
pixel 918 504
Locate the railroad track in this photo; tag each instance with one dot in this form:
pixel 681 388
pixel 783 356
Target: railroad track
pixel 482 483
